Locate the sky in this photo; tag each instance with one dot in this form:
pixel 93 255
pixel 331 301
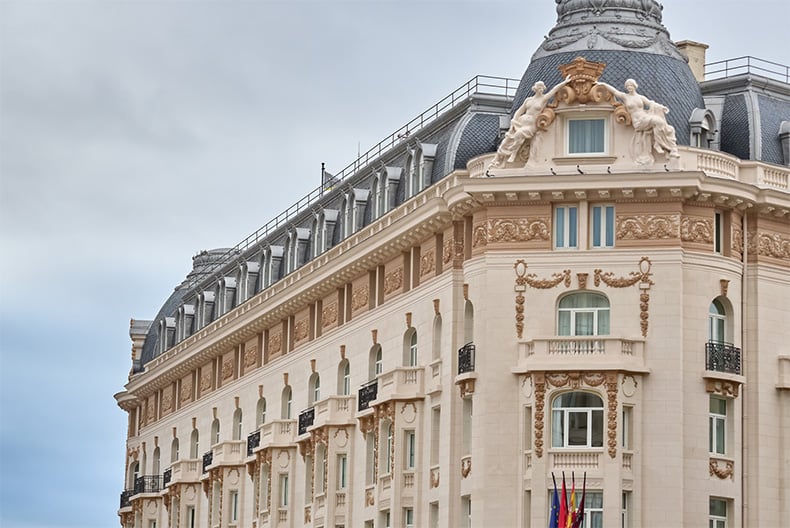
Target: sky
pixel 134 134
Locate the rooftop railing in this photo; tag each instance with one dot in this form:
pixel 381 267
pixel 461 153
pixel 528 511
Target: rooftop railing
pixel 747 64
pixel 480 84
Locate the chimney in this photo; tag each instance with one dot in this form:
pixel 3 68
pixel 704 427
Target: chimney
pixel 694 52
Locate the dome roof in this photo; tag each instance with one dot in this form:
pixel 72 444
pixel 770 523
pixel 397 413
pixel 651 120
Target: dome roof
pixel 628 36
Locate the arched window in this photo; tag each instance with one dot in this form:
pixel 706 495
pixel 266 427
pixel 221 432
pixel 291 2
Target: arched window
pixel 436 350
pixel 156 461
pixel 215 432
pixel 287 400
pixel 717 322
pixel 386 447
pixel 469 322
pixel 383 196
pixel 577 420
pixel 375 199
pixel 375 362
pixel 344 378
pixel 174 451
pixel 317 235
pixel 194 444
pixel 134 472
pixel 260 412
pixel 410 348
pixel 341 221
pixel 237 425
pixel 314 389
pixel 583 314
pixel 413 173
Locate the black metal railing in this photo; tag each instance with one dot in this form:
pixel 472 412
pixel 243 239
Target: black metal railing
pixel 306 419
pixel 367 393
pixel 253 441
pixel 466 358
pixel 125 496
pixel 148 484
pixel 167 476
pixel 722 357
pixel 208 458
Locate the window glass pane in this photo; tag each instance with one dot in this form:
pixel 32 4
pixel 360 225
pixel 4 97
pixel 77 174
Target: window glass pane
pixel 557 429
pixel 597 429
pixel 564 324
pixel 718 507
pixel 603 322
pixel 718 406
pixel 610 226
pixel 585 136
pixel 560 226
pixel 571 227
pixel 577 428
pixel 583 324
pixel 578 399
pixel 596 226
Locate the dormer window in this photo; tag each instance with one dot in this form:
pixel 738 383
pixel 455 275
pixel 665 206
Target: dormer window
pixel 586 136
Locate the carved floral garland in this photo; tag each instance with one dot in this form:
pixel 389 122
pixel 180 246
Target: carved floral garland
pixel 642 277
pixel 523 279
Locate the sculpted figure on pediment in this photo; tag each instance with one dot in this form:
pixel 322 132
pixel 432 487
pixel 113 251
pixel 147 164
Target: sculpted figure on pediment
pixel 524 124
pixel 652 132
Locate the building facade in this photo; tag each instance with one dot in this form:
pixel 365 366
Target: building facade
pixel 559 278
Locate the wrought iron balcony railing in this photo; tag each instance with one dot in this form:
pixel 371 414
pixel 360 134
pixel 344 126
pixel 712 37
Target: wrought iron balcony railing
pixel 306 419
pixel 253 441
pixel 722 357
pixel 208 458
pixel 148 484
pixel 167 476
pixel 125 496
pixel 466 358
pixel 367 393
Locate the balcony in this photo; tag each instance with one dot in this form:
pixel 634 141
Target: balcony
pixel 277 433
pixel 253 441
pixel 402 383
pixel 722 357
pixel 126 495
pixel 227 453
pixel 167 476
pixel 148 484
pixel 334 410
pixel 306 419
pixel 582 353
pixel 184 471
pixel 367 393
pixel 208 459
pixel 466 358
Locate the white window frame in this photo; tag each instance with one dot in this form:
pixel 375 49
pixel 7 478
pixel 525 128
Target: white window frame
pixel 283 490
pixel 717 423
pixel 717 322
pixel 342 471
pixel 593 117
pixel 563 414
pixel 573 312
pixel 408 517
pixel 410 443
pixel 718 521
pixel 347 379
pixel 605 230
pixel 388 449
pixel 569 228
pixel 234 506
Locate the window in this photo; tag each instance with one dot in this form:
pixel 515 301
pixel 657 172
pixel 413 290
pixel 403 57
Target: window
pixel 375 362
pixel 717 426
pixel 238 432
pixel 593 505
pixel 718 232
pixel 344 378
pixel 625 518
pixel 717 514
pixel 577 420
pixel 410 348
pixel 411 449
pixel 260 413
pixel 320 461
pixel 583 314
pixel 433 515
pixel 155 470
pixel 287 400
pixel 466 511
pixel 342 472
pixel 413 173
pixel 466 437
pixel 566 224
pixel 191 517
pixel 152 524
pixel 385 519
pixel 602 226
pixel 627 434
pixel 375 198
pixel 284 490
pixel 134 472
pixel 194 444
pixel 234 506
pixel 314 393
pixel 408 517
pixel 586 136
pixel 370 457
pixel 387 454
pixel 436 352
pixel 174 451
pixel 436 419
pixel 215 431
pixel 717 319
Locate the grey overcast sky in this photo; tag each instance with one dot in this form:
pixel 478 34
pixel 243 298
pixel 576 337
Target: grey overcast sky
pixel 135 133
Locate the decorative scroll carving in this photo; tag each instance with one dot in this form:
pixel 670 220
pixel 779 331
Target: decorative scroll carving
pixel 307 515
pixel 186 389
pixel 447 251
pixel 611 418
pixel 479 235
pixel 696 229
pixel 250 356
pixel 227 368
pixel 393 281
pixel 167 399
pixel 728 471
pixel 726 388
pixel 725 286
pixel 370 498
pixel 540 401
pixel 466 387
pixel 648 227
pixel 300 330
pixel 466 466
pixel 511 230
pixel 582 278
pixel 575 379
pixel 643 278
pixel 427 263
pixel 205 378
pixel 275 344
pixel 360 298
pixel 737 239
pixel 773 245
pixel 329 315
pixel 523 280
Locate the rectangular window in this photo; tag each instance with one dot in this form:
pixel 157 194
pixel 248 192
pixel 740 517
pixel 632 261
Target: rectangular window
pixel 284 490
pixel 602 226
pixel 466 511
pixel 342 471
pixel 436 417
pixel 586 136
pixel 627 440
pixel 234 506
pixel 370 445
pixel 411 449
pixel 527 428
pixel 625 519
pixel 152 524
pixel 385 519
pixel 466 437
pixel 718 232
pixel 408 517
pixel 717 515
pixel 190 517
pixel 566 227
pixel 433 515
pixel 717 421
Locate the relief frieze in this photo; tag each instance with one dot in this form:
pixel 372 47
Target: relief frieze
pixel 648 227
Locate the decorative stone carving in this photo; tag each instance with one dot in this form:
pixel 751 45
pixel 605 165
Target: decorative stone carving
pixel 737 239
pixel 643 278
pixel 300 330
pixel 427 263
pixel 511 230
pixel 393 281
pixel 360 298
pixel 523 280
pixel 582 278
pixel 275 343
pixel 408 411
pixel 540 401
pixel 696 229
pixel 435 477
pixel 524 125
pixel 370 499
pixel 227 368
pixel 447 251
pixel 466 466
pixel 725 286
pixel 648 118
pixel 329 315
pixel 727 471
pixel 466 387
pixel 611 419
pixel 186 389
pixel 629 385
pixel 648 227
pixel 167 399
pixel 726 388
pixel 773 245
pixel 250 356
